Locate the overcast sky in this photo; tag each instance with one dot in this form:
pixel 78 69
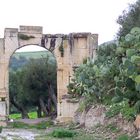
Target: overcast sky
pixel 64 16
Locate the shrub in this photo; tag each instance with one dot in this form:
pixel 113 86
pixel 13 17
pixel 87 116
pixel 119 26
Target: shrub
pixel 61 133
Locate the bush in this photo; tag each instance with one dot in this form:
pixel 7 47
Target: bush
pixel 61 133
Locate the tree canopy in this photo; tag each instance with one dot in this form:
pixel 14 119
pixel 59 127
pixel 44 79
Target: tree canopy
pixel 34 85
pixel 130 18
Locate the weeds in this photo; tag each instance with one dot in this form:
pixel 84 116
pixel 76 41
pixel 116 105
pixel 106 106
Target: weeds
pixel 112 127
pixel 124 137
pixel 41 125
pixel 127 112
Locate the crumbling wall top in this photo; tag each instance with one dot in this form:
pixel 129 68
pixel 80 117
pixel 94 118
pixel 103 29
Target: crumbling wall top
pixel 67 36
pixel 31 29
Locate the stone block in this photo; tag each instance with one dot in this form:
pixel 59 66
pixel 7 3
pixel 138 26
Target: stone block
pixel 2 110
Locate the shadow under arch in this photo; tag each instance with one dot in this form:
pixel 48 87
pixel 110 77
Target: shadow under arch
pixel 46 52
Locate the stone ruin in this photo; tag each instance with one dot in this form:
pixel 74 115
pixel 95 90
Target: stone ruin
pixel 69 50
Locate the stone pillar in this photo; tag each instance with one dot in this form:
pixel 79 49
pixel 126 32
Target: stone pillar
pixel 82 46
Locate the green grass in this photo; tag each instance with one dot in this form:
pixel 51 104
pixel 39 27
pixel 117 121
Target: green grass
pixel 78 136
pixel 127 112
pixel 15 116
pixel 41 125
pixel 32 115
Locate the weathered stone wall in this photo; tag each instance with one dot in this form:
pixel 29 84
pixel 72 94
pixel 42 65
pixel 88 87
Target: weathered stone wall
pixel 69 50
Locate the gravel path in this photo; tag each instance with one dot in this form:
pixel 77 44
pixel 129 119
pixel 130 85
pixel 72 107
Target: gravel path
pixel 18 134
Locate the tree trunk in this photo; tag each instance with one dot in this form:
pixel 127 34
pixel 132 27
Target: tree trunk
pixel 39 115
pixel 43 107
pixel 24 113
pixel 49 105
pixel 52 96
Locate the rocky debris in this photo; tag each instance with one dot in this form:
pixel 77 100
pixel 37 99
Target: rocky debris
pixel 95 115
pixel 96 122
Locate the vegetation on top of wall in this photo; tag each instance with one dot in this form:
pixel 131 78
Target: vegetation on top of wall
pixel 25 37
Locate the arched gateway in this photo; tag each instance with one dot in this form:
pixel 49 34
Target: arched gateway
pixel 70 50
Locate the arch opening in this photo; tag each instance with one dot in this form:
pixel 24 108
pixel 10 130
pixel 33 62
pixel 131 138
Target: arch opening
pixel 32 83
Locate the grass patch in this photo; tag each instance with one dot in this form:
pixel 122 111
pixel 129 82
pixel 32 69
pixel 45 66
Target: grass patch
pixel 62 133
pixel 78 136
pixel 125 137
pixel 15 116
pixel 32 115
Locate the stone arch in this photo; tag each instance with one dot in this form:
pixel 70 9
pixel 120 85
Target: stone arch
pixel 69 51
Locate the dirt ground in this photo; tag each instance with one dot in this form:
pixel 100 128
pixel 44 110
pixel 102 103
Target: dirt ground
pixel 32 121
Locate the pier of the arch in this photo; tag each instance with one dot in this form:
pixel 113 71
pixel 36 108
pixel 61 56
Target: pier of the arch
pixel 69 50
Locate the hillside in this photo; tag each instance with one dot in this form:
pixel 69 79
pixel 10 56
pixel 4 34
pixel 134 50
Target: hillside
pixel 36 54
pixel 20 59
